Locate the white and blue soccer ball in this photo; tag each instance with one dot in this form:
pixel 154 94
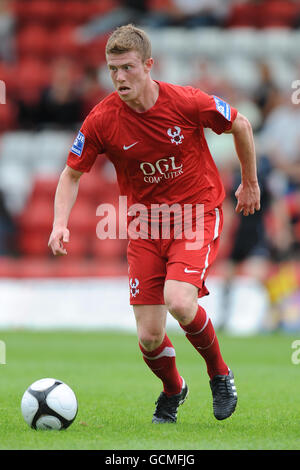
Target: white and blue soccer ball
pixel 49 404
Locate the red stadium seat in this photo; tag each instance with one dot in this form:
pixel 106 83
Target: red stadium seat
pixel 267 14
pixel 83 218
pixel 70 266
pixel 43 43
pixel 8 267
pixel 243 15
pixel 93 54
pixel 32 266
pixel 107 268
pixel 36 11
pixel 159 5
pixel 96 8
pixel 21 10
pixel 78 245
pixel 36 244
pixel 63 42
pixel 67 266
pixel 278 14
pixel 37 216
pixel 54 12
pixel 98 190
pixel 91 187
pixel 44 188
pixel 33 42
pixel 33 243
pixel 36 267
pixel 45 12
pixel 32 76
pixel 35 226
pixel 8 116
pixel 109 249
pixel 74 12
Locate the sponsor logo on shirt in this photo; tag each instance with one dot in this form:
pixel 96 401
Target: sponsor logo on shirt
pixel 78 144
pixel 223 108
pixel 162 169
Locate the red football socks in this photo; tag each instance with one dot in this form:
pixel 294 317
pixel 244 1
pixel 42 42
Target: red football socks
pixel 162 363
pixel 201 334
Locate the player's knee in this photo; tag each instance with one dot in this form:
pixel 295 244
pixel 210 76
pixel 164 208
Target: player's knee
pixel 151 340
pixel 180 308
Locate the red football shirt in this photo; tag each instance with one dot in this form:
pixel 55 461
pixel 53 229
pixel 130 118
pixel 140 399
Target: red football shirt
pixel 160 155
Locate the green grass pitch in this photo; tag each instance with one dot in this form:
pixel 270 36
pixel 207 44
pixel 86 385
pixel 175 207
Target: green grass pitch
pixel 116 393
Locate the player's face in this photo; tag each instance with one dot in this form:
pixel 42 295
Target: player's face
pixel 129 74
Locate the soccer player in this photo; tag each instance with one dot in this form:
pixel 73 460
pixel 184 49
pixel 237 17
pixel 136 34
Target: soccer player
pixel 153 132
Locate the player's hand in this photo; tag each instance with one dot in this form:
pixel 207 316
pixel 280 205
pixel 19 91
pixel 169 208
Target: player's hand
pixel 248 198
pixel 58 237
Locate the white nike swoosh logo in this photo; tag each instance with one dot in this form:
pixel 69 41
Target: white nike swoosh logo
pixel 126 147
pixel 186 270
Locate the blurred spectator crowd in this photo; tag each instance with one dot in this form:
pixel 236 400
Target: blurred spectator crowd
pixel 53 65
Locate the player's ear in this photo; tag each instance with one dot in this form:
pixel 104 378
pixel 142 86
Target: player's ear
pixel 148 64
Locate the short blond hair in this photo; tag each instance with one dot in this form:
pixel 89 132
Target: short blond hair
pixel 129 38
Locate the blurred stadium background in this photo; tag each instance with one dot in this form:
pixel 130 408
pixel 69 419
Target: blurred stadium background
pixel 53 66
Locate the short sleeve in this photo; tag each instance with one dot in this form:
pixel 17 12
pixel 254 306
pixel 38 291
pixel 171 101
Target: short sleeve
pixel 214 112
pixel 87 145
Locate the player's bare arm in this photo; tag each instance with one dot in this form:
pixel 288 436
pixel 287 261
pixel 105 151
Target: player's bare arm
pixel 65 197
pixel 248 192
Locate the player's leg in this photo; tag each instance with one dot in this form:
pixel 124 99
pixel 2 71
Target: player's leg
pixel 146 278
pixel 147 272
pixel 157 349
pixel 185 282
pixel 151 325
pixel 159 355
pixel 182 302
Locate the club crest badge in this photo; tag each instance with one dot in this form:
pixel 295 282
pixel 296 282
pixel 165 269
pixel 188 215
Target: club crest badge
pixel 176 135
pixel 134 283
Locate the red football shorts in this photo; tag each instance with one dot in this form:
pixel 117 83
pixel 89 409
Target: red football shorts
pixel 153 261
